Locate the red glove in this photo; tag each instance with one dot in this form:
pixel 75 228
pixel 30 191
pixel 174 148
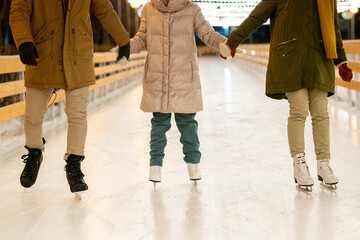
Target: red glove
pixel 223 57
pixel 233 50
pixel 345 72
pixel 226 50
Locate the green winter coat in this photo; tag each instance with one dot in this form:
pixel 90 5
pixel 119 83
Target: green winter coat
pixel 297 56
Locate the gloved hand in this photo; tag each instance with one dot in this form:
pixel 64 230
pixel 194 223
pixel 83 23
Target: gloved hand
pixel 124 51
pixel 226 50
pixel 345 72
pixel 28 54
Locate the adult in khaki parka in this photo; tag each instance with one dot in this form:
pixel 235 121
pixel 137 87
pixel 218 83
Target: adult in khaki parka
pixel 171 81
pixel 305 44
pixel 55 41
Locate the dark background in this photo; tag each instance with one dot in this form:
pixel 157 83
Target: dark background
pixel 130 20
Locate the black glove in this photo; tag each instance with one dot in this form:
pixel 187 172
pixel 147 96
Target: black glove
pixel 124 51
pixel 28 54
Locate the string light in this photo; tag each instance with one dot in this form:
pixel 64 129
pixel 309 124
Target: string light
pixel 233 12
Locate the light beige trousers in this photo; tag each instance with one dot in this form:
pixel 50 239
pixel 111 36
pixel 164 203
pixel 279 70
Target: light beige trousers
pixel 300 102
pixel 35 108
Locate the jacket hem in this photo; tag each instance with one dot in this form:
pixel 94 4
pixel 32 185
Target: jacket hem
pixel 60 86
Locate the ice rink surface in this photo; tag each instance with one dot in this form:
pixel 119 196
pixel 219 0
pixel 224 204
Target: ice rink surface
pixel 247 190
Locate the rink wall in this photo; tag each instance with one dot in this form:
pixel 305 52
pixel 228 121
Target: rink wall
pixel 347 94
pixel 111 78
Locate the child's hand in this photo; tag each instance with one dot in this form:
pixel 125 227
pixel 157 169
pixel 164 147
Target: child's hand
pixel 226 50
pixel 124 52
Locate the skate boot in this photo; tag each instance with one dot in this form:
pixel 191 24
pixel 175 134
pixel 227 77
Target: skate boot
pixel 194 172
pixel 326 174
pixel 301 172
pixel 32 162
pixel 74 175
pixel 155 174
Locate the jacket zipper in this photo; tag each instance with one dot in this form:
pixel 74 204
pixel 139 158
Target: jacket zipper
pixel 286 42
pixel 287 3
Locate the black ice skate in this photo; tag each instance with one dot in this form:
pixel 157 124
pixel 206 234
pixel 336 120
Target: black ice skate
pixel 74 175
pixel 32 162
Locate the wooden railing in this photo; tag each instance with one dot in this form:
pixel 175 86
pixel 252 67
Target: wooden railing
pixel 259 54
pixel 107 72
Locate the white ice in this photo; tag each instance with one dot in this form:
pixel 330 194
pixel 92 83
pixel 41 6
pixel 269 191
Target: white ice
pixel 247 189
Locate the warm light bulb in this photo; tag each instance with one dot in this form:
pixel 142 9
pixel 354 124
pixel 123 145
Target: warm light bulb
pixel 354 10
pixel 135 3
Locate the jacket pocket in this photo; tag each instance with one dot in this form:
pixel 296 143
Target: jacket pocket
pixel 44 40
pixel 45 33
pixel 82 39
pixel 284 48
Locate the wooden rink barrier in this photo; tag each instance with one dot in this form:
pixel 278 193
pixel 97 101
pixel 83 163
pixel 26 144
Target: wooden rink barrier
pixel 107 72
pixel 259 54
pixel 345 91
pixel 112 77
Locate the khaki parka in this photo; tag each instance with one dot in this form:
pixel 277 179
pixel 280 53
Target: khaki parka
pixel 171 80
pixel 297 56
pixel 64 41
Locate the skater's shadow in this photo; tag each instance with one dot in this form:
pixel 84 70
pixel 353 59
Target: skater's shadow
pixel 161 221
pixel 75 217
pixel 327 215
pixel 303 206
pixel 194 219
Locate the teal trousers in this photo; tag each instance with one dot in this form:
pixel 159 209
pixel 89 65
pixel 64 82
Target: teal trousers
pixel 188 127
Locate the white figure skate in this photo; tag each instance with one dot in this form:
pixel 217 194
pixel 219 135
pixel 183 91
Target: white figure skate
pixel 326 174
pixel 301 172
pixel 194 172
pixel 155 174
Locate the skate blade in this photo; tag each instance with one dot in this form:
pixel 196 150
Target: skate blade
pixel 305 188
pixel 195 181
pixel 79 195
pixel 155 182
pixel 331 186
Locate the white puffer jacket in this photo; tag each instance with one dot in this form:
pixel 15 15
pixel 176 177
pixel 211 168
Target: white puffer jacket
pixel 171 80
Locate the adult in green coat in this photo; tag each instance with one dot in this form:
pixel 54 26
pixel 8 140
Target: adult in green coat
pixel 305 44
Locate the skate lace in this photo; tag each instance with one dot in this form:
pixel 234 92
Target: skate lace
pixel 75 171
pixel 302 166
pixel 327 166
pixel 30 166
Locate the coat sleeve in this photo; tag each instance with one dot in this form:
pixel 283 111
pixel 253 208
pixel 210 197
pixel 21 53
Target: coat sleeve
pixel 138 42
pixel 104 11
pixel 262 12
pixel 205 31
pixel 339 44
pixel 19 19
